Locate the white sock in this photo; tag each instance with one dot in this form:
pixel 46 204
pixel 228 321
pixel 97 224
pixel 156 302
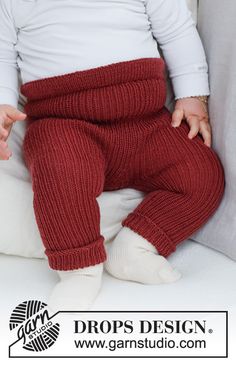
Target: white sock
pixel 132 257
pixel 77 289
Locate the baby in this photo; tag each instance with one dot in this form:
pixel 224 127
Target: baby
pixel 94 87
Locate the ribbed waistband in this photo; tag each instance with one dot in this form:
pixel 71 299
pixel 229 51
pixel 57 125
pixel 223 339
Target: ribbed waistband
pixel 105 93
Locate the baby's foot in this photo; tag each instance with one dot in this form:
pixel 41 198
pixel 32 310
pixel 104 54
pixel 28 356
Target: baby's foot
pixel 132 257
pixel 77 289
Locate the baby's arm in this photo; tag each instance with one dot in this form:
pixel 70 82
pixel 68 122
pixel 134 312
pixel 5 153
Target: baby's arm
pixel 175 31
pixel 8 77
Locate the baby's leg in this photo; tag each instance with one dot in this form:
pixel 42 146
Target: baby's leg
pixel 66 168
pixel 185 180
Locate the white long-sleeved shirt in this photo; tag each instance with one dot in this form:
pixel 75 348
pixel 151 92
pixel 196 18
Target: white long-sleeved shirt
pixel 43 38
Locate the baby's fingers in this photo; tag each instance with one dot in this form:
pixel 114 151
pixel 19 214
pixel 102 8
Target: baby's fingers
pixel 205 130
pixel 3 132
pixel 177 117
pixel 194 124
pixel 5 152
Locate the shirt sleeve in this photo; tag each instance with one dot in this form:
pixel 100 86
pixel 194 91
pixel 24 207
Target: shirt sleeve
pixel 175 31
pixel 9 82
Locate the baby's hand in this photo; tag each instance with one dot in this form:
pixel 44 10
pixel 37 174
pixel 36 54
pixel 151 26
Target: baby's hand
pixel 8 115
pixel 195 112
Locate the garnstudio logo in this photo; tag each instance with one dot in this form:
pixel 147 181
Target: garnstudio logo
pixel 34 326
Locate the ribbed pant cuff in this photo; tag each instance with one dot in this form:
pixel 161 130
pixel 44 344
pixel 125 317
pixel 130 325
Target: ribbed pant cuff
pixel 148 230
pixel 77 258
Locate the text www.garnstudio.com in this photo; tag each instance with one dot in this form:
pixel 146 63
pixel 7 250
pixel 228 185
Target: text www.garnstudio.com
pixel 163 342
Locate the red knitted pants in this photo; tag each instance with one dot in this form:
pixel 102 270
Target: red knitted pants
pixel 104 129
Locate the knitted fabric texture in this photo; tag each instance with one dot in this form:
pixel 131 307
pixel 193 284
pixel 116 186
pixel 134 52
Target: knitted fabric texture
pixel 104 129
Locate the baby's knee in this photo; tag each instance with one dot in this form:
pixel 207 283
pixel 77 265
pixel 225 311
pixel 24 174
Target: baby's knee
pixel 207 178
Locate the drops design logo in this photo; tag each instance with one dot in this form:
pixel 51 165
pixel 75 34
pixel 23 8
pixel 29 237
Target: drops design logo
pixel 34 326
